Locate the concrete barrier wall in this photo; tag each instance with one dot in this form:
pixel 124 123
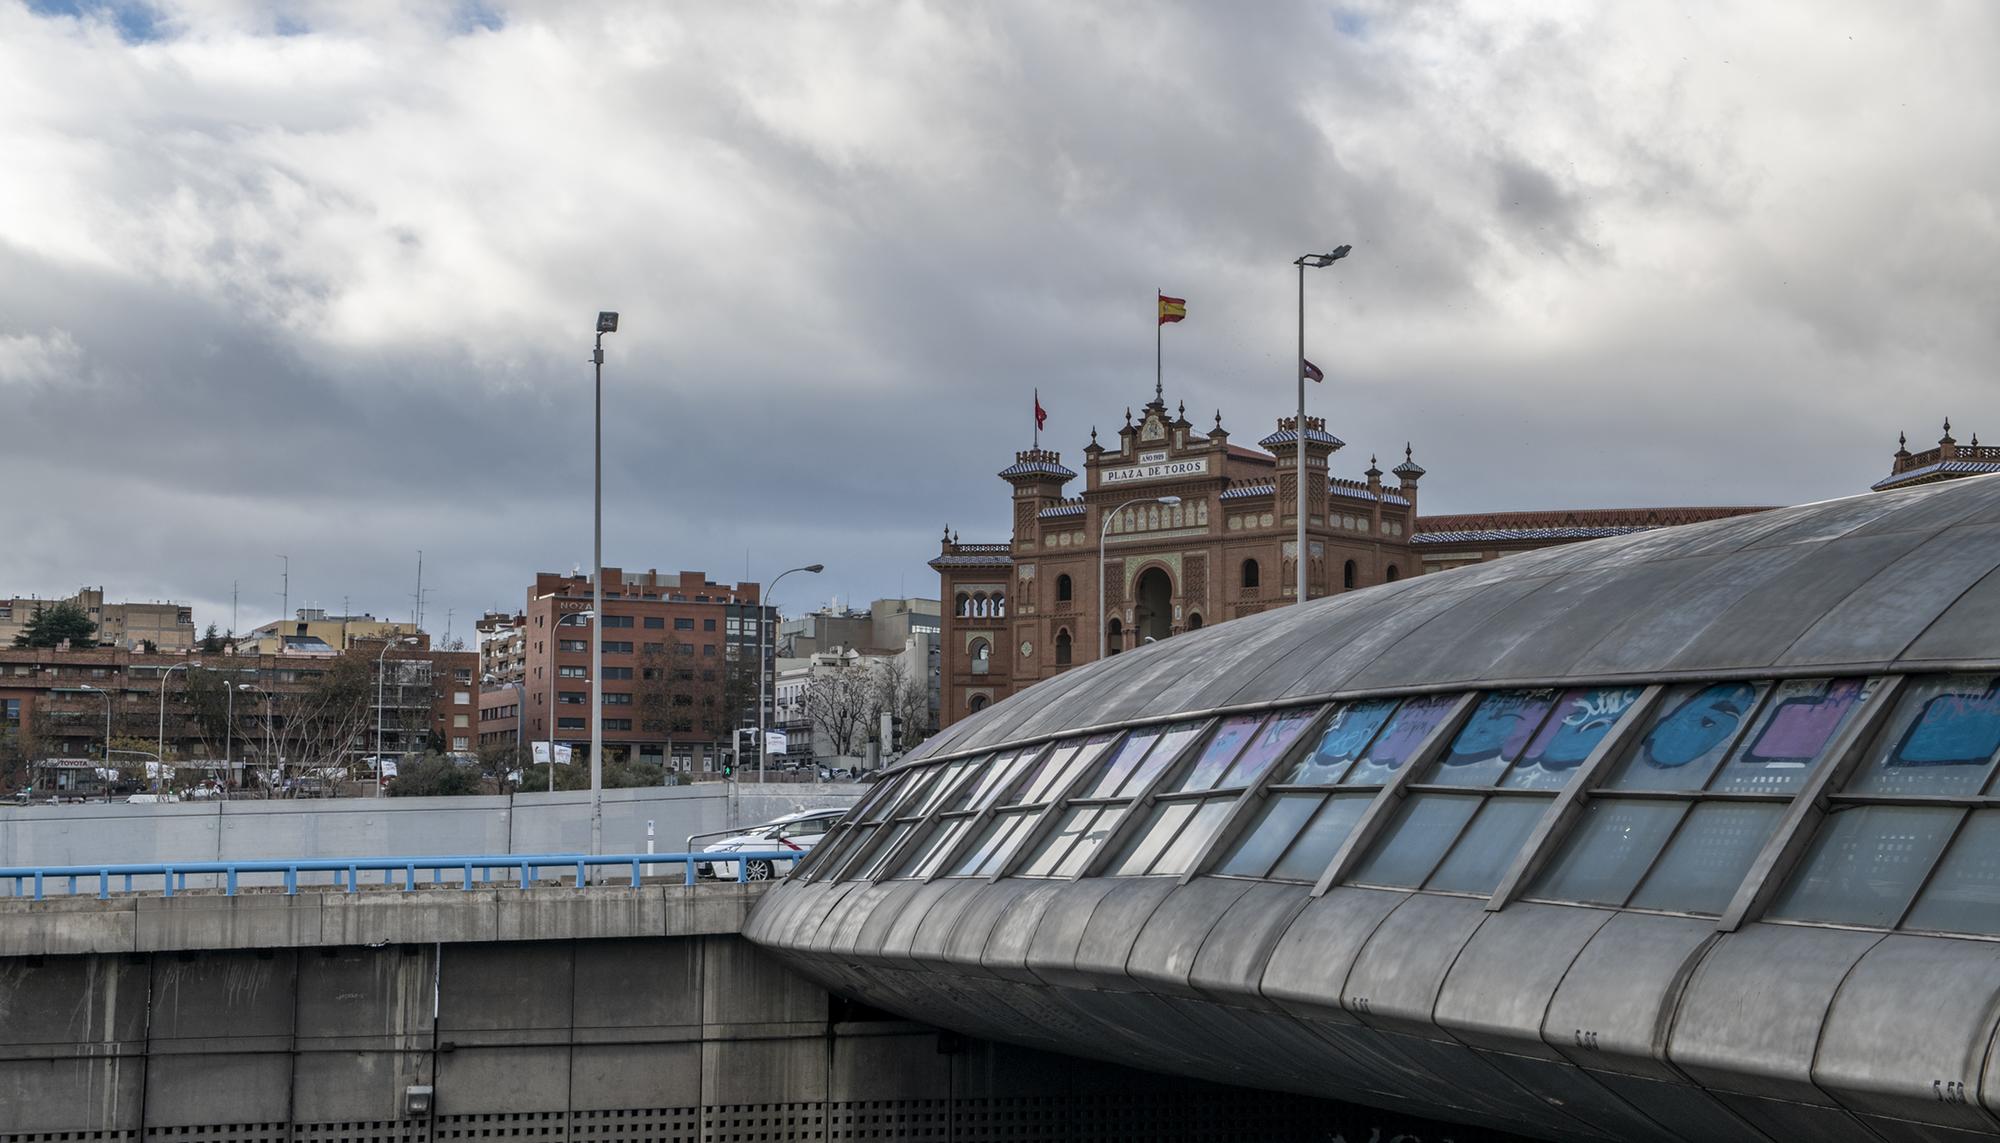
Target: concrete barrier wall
pixel 667 1040
pixel 111 833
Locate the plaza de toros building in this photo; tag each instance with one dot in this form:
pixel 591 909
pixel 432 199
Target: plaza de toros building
pixel 1223 548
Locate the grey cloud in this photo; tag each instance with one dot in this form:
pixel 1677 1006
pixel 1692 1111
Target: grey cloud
pixel 329 292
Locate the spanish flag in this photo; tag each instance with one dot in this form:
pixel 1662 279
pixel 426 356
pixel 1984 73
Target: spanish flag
pixel 1172 309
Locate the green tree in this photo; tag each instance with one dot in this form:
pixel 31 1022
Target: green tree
pixel 57 623
pixel 433 776
pixel 212 641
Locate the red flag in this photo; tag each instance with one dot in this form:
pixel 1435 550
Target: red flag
pixel 1312 371
pixel 1041 414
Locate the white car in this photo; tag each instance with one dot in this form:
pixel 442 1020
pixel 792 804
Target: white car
pixel 793 833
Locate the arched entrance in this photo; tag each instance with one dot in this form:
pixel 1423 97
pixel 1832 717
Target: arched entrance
pixel 1153 599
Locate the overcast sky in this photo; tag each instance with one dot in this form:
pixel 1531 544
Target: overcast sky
pixel 319 278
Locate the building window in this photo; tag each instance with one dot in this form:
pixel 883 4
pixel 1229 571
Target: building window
pixel 573 646
pixel 573 697
pixel 618 621
pixel 1063 649
pixel 682 623
pixel 460 743
pixel 462 674
pixel 1194 621
pixel 461 698
pixel 656 648
pixel 571 673
pixel 611 648
pixel 1347 576
pixel 569 724
pixel 1392 575
pixel 1115 636
pixel 1064 591
pixel 708 648
pixel 617 698
pixel 964 605
pixel 687 648
pixel 655 622
pixel 617 672
pixel 460 722
pixel 709 625
pixel 1251 575
pixel 976 703
pixel 617 724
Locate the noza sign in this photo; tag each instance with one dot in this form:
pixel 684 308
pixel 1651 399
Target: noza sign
pixel 1165 470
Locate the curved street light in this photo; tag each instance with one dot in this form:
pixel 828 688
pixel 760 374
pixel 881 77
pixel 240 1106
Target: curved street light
pixel 381 670
pixel 160 747
pixel 1103 530
pixel 763 639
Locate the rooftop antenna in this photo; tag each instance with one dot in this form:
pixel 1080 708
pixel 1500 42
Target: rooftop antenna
pixel 417 617
pixel 285 597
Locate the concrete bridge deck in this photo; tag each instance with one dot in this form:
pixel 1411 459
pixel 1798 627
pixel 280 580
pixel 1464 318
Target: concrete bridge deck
pixel 545 1014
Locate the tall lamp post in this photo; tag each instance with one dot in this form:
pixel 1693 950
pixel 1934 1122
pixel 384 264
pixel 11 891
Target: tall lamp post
pixel 381 673
pixel 267 721
pixel 160 748
pixel 1103 530
pixel 554 672
pixel 763 643
pixel 1317 261
pixel 607 322
pixel 107 717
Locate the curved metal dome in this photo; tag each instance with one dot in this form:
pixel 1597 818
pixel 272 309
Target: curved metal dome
pixel 1692 834
pixel 1883 581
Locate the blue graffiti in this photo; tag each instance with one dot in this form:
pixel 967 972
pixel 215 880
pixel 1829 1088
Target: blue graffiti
pixel 1347 735
pixel 1584 718
pixel 1499 728
pixel 1705 722
pixel 1952 730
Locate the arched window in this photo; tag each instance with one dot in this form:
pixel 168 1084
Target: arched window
pixel 981 650
pixel 979 605
pixel 1393 574
pixel 1347 575
pixel 1000 603
pixel 1251 575
pixel 964 605
pixel 1194 621
pixel 976 703
pixel 1062 645
pixel 1063 589
pixel 1116 632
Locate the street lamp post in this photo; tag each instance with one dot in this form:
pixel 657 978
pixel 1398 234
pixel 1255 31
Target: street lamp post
pixel 381 671
pixel 554 673
pixel 607 322
pixel 1316 261
pixel 234 687
pixel 763 641
pixel 107 717
pixel 160 747
pixel 1103 530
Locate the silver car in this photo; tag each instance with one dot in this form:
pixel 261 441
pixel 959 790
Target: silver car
pixel 793 833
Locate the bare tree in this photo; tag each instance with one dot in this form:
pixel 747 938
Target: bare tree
pixel 839 699
pixel 895 693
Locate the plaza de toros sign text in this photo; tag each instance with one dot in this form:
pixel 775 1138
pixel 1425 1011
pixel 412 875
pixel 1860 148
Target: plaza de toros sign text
pixel 1160 471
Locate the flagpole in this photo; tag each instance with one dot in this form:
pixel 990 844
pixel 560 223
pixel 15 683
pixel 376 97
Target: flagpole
pixel 1038 416
pixel 1158 388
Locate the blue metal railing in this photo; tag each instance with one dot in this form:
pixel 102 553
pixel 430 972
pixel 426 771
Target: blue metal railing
pixel 347 871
